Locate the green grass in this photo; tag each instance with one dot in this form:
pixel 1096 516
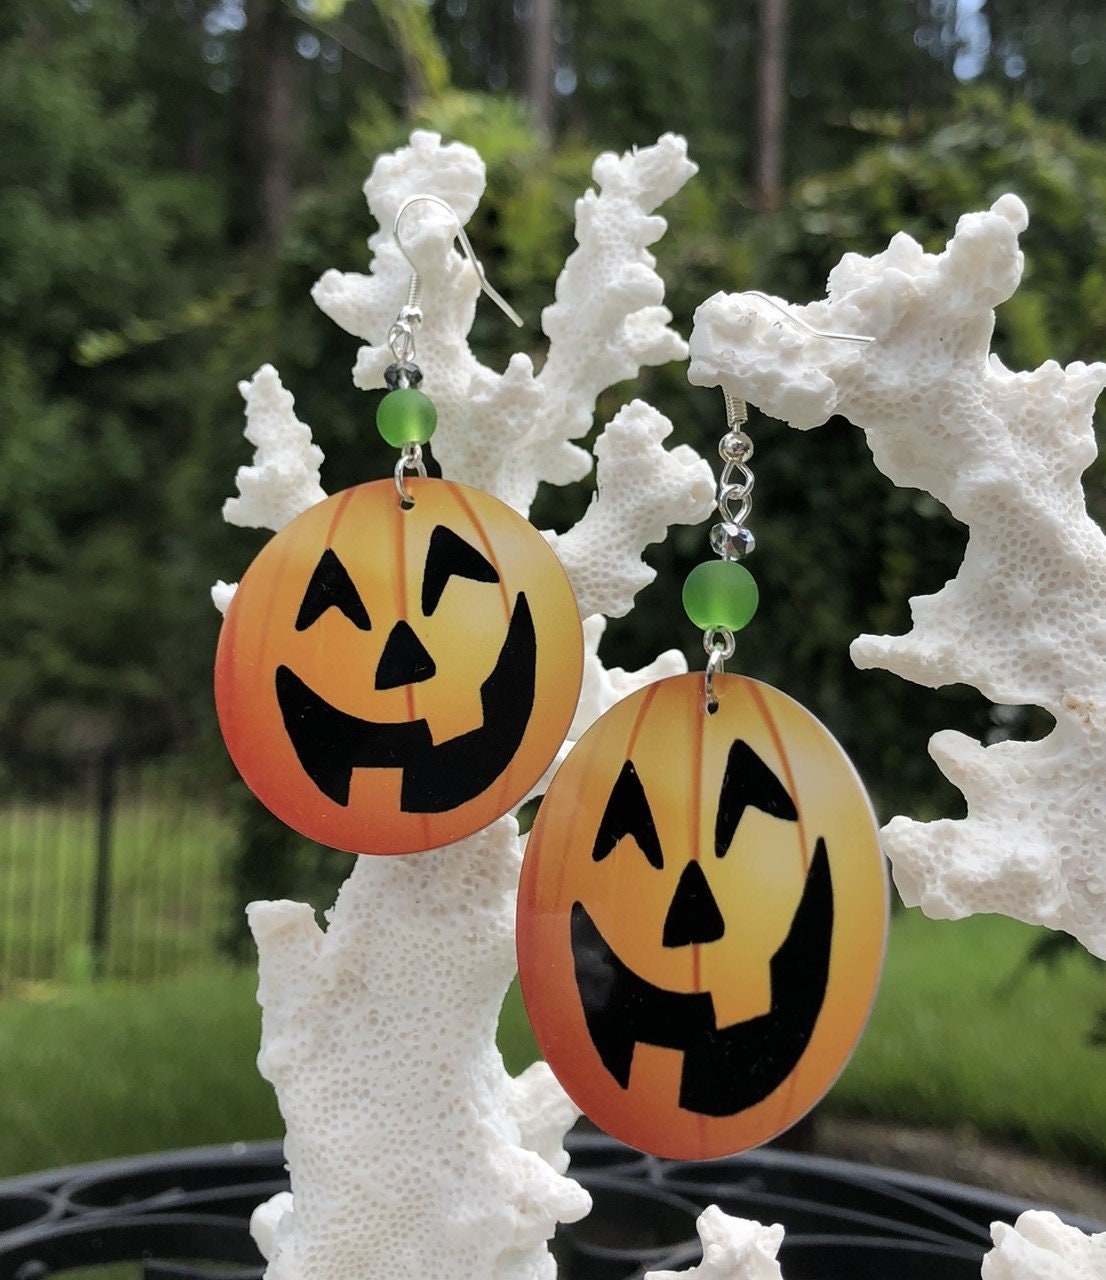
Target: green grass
pixel 120 1070
pixel 97 1072
pixel 964 1035
pixel 168 900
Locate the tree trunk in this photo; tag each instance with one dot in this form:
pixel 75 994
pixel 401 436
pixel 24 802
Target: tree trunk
pixel 269 120
pixel 540 59
pixel 771 103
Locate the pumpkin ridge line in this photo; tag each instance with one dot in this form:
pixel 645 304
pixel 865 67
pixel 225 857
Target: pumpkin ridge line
pixel 785 760
pixel 489 551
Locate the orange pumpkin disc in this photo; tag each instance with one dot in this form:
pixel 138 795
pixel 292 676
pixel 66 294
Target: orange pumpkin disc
pixel 389 680
pixel 701 917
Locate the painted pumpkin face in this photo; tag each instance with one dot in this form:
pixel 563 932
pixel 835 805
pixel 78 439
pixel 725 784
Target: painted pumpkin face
pixel 389 680
pixel 701 917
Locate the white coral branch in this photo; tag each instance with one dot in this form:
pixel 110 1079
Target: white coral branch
pixel 608 321
pixel 1038 1247
pixel 1024 620
pixel 543 1112
pixel 410 1148
pixel 733 1249
pixel 270 1222
pixel 366 306
pixel 403 1131
pixel 1041 1247
pixel 506 433
pixel 222 593
pixel 641 489
pixel 283 479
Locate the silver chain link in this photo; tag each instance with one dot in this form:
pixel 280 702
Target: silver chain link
pixel 730 538
pixel 401 336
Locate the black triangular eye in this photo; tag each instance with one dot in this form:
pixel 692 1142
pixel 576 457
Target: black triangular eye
pixel 628 814
pixel 451 556
pixel 748 781
pixel 331 587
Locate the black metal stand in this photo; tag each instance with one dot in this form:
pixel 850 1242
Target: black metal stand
pixel 183 1215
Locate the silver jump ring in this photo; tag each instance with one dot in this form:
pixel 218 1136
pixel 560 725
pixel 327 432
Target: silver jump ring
pixel 719 640
pixel 720 645
pixel 410 459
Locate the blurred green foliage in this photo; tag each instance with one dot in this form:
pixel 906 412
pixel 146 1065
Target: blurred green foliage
pixel 135 292
pixel 91 237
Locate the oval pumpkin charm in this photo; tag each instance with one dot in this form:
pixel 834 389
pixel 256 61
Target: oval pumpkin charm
pixel 392 679
pixel 701 917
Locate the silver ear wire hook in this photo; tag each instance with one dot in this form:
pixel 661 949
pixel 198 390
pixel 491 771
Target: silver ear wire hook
pixel 799 323
pixel 410 315
pixel 736 409
pixel 405 374
pixel 731 539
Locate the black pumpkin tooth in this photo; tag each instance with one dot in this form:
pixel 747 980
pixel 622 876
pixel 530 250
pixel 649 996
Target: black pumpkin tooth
pixel 726 1070
pixel 330 743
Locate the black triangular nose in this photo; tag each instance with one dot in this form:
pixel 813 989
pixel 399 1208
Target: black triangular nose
pixel 404 660
pixel 693 915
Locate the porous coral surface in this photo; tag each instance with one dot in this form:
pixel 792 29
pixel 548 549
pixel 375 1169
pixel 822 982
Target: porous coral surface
pixel 733 1249
pixel 1041 1247
pixel 1024 620
pixel 411 1151
pixel 283 478
pixel 1038 1247
pixel 403 1129
pixel 505 433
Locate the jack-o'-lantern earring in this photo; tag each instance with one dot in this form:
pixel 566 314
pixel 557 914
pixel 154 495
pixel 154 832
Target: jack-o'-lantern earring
pixel 401 662
pixel 703 902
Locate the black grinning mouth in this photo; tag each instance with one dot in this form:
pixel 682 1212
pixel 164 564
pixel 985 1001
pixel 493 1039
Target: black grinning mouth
pixel 330 743
pixel 727 1070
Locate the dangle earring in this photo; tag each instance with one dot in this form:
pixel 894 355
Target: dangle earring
pixel 703 901
pixel 401 662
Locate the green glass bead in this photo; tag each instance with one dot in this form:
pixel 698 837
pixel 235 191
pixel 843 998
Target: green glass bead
pixel 720 593
pixel 406 416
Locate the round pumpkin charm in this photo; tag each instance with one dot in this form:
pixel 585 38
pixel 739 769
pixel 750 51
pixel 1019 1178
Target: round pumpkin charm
pixel 701 917
pixel 390 679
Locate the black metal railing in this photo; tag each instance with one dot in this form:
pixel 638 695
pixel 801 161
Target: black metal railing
pixel 111 868
pixel 184 1215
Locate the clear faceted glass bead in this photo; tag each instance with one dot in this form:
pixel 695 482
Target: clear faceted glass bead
pixel 731 541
